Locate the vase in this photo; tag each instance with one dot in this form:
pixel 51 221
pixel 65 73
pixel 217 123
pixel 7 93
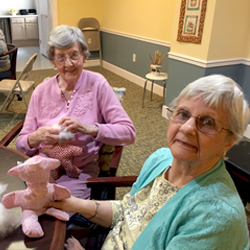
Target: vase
pixel 155 69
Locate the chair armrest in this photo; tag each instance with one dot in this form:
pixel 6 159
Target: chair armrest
pixel 12 134
pixel 103 188
pixel 10 51
pixel 116 157
pixel 116 181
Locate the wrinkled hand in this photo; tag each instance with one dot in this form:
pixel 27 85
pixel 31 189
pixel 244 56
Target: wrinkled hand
pixel 73 244
pixel 47 135
pixel 74 125
pixel 68 205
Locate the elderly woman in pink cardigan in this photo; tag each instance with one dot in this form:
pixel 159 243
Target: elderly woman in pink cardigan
pixel 79 101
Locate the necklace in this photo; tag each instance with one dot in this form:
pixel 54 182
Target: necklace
pixel 69 96
pixel 69 99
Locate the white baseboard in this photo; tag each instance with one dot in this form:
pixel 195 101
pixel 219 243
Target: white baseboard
pixel 164 111
pixel 132 77
pixel 92 63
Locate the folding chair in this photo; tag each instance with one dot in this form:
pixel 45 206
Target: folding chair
pixel 19 86
pixel 91 30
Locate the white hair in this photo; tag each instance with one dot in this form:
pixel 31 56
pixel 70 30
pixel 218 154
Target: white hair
pixel 64 36
pixel 216 90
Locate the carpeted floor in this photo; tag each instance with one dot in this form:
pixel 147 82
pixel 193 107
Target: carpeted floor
pixel 148 121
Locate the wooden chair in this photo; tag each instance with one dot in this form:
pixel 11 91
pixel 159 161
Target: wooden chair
pixel 11 73
pixel 11 134
pixel 103 186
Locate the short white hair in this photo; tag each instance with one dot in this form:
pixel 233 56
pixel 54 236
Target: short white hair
pixel 64 36
pixel 218 90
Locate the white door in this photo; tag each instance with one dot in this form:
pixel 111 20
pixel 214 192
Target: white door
pixel 45 23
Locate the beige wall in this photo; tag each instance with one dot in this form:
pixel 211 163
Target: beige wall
pixel 248 42
pixel 226 32
pixel 230 30
pixel 146 18
pixel 151 19
pixel 71 11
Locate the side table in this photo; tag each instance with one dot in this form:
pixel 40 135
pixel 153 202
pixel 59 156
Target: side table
pixel 154 77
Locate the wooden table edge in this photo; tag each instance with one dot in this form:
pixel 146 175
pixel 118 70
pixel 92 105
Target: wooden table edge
pixel 58 239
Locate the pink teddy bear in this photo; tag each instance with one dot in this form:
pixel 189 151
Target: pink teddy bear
pixel 64 152
pixel 36 173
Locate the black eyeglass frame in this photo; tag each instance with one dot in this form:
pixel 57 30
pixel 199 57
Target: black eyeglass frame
pixel 172 109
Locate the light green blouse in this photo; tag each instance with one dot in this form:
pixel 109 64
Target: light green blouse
pixel 132 214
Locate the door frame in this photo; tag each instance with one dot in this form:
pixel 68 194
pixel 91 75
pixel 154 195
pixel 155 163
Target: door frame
pixel 51 21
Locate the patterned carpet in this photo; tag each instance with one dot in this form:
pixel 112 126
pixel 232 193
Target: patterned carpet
pixel 148 121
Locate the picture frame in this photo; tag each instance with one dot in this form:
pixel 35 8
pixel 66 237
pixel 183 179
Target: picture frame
pixel 190 25
pixel 193 4
pixel 191 21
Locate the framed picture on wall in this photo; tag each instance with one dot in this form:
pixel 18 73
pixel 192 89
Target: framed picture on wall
pixel 190 25
pixel 193 5
pixel 191 22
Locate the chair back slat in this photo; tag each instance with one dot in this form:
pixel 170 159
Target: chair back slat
pixel 11 73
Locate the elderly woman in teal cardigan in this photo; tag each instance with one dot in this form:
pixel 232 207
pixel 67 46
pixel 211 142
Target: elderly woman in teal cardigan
pixel 184 198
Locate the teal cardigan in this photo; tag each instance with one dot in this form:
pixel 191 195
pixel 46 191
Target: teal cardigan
pixel 206 213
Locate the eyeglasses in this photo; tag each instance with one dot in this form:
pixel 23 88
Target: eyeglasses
pixel 73 57
pixel 204 124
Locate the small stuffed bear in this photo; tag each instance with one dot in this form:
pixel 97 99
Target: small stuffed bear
pixel 64 152
pixel 36 173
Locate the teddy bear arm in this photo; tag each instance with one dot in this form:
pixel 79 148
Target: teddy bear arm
pixel 30 224
pixel 59 214
pixel 10 200
pixel 71 170
pixel 60 193
pixel 77 151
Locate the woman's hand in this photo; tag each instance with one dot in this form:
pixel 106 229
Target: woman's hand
pixel 47 135
pixel 73 244
pixel 69 205
pixel 100 214
pixel 74 125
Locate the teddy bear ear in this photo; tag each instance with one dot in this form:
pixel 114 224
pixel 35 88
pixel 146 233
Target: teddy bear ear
pixel 15 171
pixel 24 167
pixel 51 163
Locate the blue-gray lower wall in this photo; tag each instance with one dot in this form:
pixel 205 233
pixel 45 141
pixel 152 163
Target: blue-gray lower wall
pixel 244 80
pixel 118 50
pixel 180 74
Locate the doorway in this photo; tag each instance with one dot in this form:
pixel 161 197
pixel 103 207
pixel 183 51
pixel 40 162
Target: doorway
pixel 47 19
